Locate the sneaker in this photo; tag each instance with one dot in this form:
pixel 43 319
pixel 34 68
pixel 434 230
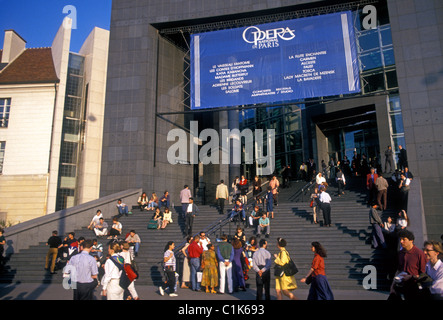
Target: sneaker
pixel 162 292
pixel 173 295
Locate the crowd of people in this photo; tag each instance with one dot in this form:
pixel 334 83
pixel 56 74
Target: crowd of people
pixel 224 264
pixel 72 254
pixel 89 263
pixel 415 273
pixel 85 263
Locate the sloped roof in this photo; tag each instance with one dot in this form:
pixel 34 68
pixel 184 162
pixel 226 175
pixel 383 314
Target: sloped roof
pixel 34 65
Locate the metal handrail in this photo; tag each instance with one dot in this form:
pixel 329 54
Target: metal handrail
pixel 218 225
pixel 306 187
pixel 303 190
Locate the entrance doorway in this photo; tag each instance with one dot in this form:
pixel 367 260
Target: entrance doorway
pixel 363 141
pixel 348 133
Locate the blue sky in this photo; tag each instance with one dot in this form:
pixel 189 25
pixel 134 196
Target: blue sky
pixel 38 21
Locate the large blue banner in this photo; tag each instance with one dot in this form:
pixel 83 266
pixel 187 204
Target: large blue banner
pixel 275 62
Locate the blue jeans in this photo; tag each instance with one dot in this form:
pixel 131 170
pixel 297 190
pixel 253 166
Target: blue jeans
pixel 241 213
pixel 184 208
pixel 164 204
pixel 123 210
pixel 152 205
pixel 195 267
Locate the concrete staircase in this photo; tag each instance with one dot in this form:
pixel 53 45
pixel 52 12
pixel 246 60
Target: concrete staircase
pixel 347 241
pixel 28 265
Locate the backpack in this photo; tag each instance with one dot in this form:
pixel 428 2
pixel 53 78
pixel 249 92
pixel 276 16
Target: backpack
pixel 124 281
pixel 152 224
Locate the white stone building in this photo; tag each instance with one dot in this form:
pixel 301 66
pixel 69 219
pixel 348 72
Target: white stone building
pixel 51 123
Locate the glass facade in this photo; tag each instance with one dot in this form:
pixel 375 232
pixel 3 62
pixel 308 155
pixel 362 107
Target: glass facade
pixel 72 132
pixel 376 59
pixel 286 121
pixel 396 123
pixel 377 75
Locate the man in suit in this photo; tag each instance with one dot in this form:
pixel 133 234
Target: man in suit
pixel 311 169
pixel 402 158
pixel 221 194
pixel 191 211
pixel 378 239
pixel 408 173
pixel 389 160
pixel 371 179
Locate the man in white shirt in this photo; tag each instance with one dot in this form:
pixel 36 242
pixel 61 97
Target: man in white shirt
pixel 190 213
pixel 101 229
pixel 319 179
pixel 303 171
pixel 95 220
pixel 341 181
pixel 122 208
pixel 204 241
pixel 116 229
pixel 325 206
pixel 404 190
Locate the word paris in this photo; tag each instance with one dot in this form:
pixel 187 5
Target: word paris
pixel 231 148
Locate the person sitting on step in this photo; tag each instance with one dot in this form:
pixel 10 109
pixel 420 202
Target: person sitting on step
pixel 238 211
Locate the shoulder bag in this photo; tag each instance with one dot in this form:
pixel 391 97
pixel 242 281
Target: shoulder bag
pixel 289 269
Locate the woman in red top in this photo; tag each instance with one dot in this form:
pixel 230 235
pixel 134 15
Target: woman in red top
pixel 320 289
pixel 243 189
